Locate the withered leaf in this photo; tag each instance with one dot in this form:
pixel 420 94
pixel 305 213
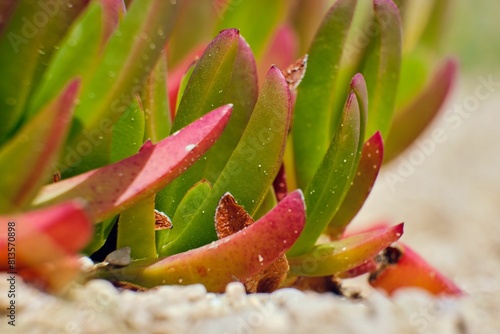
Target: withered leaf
pixel 162 222
pixel 231 218
pixel 319 284
pixel 295 72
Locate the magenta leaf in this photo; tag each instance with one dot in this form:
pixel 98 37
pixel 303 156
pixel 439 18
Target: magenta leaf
pixel 113 188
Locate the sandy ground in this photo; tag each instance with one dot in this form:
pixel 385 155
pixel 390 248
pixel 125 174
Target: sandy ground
pixel 447 194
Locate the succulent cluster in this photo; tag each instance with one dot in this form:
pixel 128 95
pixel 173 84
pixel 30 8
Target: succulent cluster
pixel 213 164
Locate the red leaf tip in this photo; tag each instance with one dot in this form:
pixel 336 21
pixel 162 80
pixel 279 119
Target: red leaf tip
pixel 358 79
pixel 399 229
pixel 229 33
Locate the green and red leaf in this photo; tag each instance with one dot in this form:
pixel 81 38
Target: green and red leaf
pixel 127 60
pixel 381 66
pixel 366 174
pixel 226 73
pixel 88 35
pixel 313 113
pixel 331 182
pixel 31 152
pixel 113 188
pixel 238 256
pixel 345 254
pixel 252 166
pixel 155 102
pixel 26 49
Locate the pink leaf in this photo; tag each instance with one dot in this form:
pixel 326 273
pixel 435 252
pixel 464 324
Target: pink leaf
pixel 36 237
pixel 113 188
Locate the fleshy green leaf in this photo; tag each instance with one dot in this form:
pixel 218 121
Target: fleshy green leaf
pixel 381 66
pixel 230 65
pixel 411 270
pixel 207 87
pixel 188 207
pixel 211 75
pixel 242 92
pixel 101 233
pixel 238 256
pixel 128 59
pixel 155 102
pixel 341 255
pixel 332 180
pixel 252 166
pixel 412 120
pixel 267 204
pixel 25 48
pixel 128 132
pixel 113 188
pixel 87 36
pixel 242 14
pixel 136 229
pixel 44 235
pixel 26 160
pixel 315 98
pixel 182 84
pixel 179 73
pixel 366 173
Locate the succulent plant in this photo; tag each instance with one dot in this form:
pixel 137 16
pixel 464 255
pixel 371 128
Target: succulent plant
pixel 201 169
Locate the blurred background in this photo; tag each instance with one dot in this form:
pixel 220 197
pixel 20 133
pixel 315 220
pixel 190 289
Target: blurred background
pixel 450 201
pixel 474 35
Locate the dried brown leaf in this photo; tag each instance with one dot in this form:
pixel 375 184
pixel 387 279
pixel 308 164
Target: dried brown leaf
pixel 162 222
pixel 295 72
pixel 231 218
